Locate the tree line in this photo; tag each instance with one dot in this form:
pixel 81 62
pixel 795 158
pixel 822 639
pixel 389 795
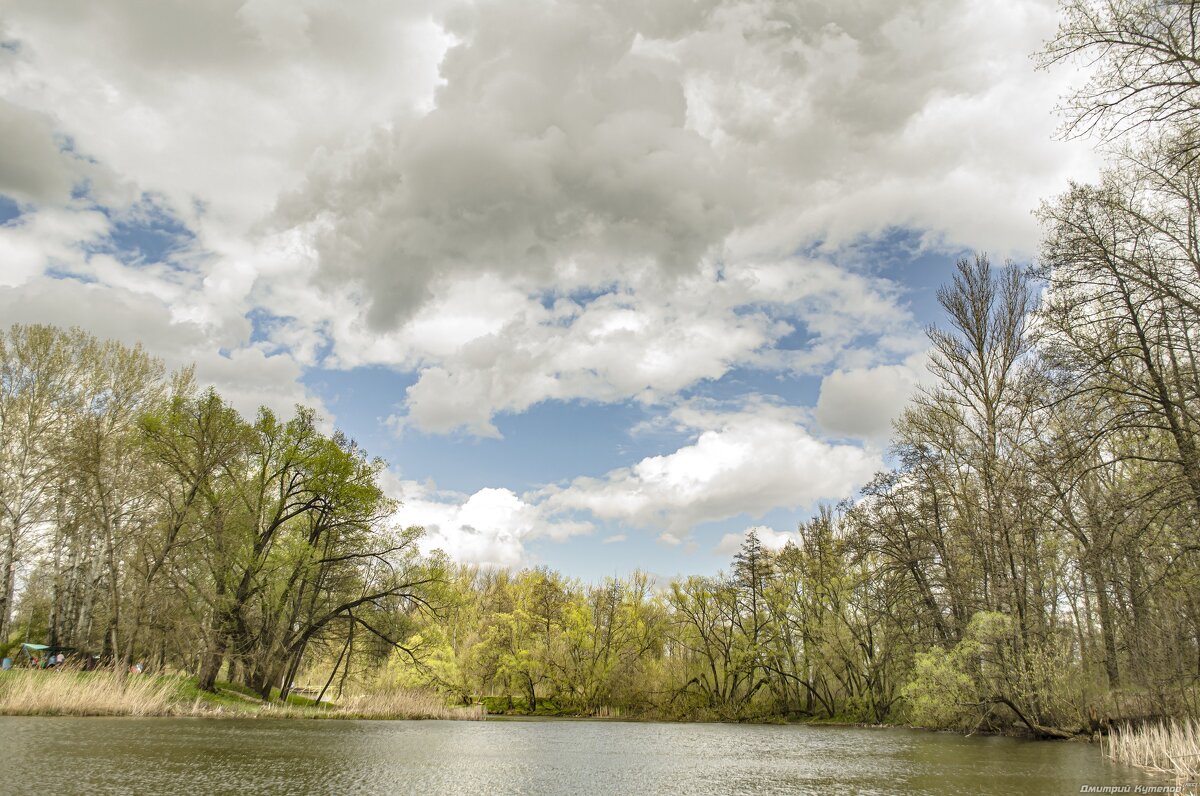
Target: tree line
pixel 1031 562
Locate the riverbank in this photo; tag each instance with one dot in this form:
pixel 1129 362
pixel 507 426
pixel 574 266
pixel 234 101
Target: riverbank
pixel 547 709
pixel 25 692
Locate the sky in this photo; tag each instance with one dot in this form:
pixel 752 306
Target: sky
pixel 606 283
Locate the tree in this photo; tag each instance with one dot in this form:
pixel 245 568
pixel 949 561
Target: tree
pixel 978 394
pixel 40 370
pixel 1145 60
pixel 104 468
pixel 189 442
pixel 1123 307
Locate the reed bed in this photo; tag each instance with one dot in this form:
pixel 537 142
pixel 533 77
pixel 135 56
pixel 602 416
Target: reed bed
pixel 30 692
pixel 1170 748
pixel 407 704
pixel 71 693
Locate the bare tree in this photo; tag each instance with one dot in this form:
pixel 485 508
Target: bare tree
pixel 1122 314
pixel 1145 61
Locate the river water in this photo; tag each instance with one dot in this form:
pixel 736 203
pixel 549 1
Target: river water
pixel 254 756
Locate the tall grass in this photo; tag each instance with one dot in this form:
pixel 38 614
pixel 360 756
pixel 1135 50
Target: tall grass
pixel 402 703
pixel 69 693
pixel 1170 747
pixel 30 692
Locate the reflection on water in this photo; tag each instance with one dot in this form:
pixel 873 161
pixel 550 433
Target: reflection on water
pixel 66 755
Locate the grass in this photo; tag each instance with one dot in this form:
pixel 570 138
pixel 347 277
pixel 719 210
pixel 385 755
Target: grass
pixel 27 692
pixel 1169 748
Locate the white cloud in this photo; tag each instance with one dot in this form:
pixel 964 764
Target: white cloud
pixel 595 141
pixel 747 461
pixel 222 102
pixel 862 117
pixel 618 346
pixel 34 167
pixel 483 348
pixel 210 112
pixel 433 185
pixel 744 462
pixel 552 141
pixel 489 527
pixel 32 243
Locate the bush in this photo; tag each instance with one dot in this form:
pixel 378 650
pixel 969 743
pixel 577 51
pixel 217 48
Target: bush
pixel 940 691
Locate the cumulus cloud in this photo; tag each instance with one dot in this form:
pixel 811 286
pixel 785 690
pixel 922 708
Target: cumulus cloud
pixel 489 527
pixel 590 140
pixel 659 160
pixel 217 107
pixel 617 346
pixel 557 149
pixel 34 167
pixel 742 462
pixel 575 200
pixel 745 461
pixel 209 112
pixel 434 185
pixel 31 244
pixel 484 349
pixel 864 116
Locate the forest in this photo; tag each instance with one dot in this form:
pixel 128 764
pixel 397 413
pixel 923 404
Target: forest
pixel 1030 562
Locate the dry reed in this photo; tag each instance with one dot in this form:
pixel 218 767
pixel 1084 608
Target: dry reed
pixel 402 703
pixel 70 693
pixel 1169 748
pixel 29 692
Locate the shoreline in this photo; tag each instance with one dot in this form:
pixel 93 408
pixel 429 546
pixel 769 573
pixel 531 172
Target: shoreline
pixel 280 712
pixel 286 712
pixel 70 693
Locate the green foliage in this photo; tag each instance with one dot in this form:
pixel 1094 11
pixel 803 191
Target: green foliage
pixel 171 532
pixel 940 690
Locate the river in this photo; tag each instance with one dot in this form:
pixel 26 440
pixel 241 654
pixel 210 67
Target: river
pixel 194 756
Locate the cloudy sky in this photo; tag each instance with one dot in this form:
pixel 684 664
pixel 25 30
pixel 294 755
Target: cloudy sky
pixel 607 282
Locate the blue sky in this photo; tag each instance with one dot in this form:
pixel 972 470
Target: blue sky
pixel 606 283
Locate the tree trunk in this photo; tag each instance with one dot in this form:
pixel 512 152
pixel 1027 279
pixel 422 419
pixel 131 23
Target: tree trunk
pixel 530 694
pixel 7 585
pixel 210 663
pixel 293 669
pixel 1107 629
